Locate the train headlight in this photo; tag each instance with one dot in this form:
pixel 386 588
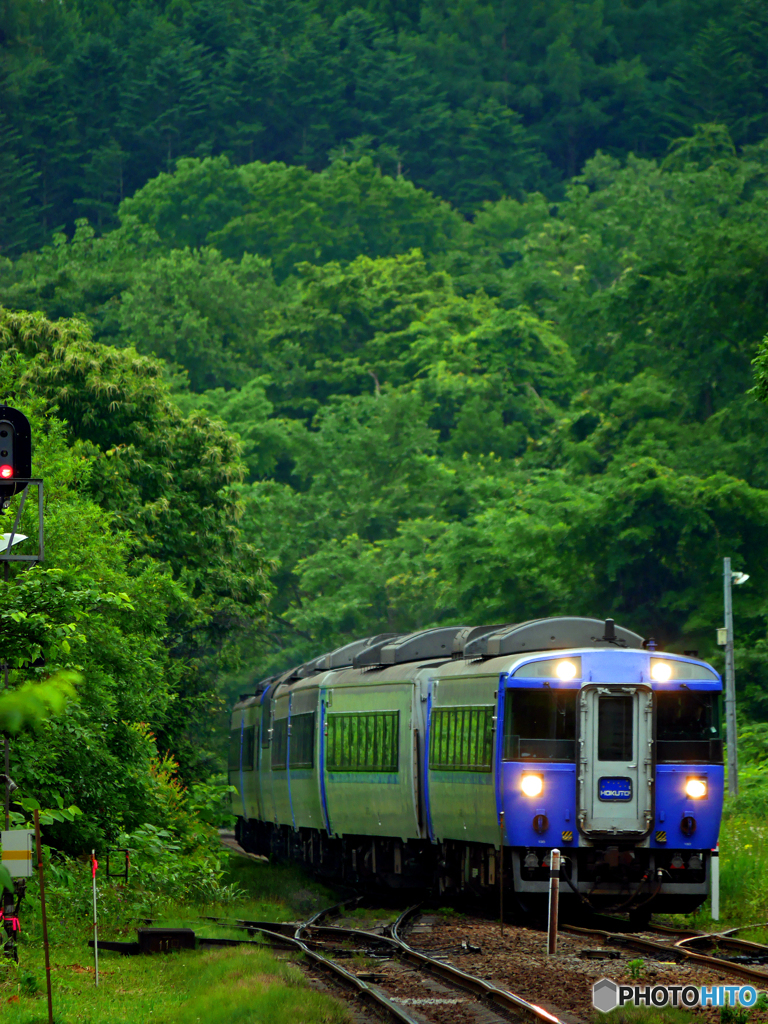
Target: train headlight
pixel 696 788
pixel 566 670
pixel 532 785
pixel 661 671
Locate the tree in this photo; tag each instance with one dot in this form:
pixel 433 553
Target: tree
pixel 164 483
pixel 289 214
pixel 199 312
pixel 18 228
pixel 186 207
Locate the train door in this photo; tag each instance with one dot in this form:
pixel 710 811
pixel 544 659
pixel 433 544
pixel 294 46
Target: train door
pixel 615 760
pixel 422 706
pixel 265 773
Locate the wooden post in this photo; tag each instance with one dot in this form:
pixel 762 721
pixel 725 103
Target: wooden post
pixel 501 870
pixel 45 918
pixel 554 899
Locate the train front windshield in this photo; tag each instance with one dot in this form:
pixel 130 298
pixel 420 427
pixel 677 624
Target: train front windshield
pixel 540 725
pixel 688 727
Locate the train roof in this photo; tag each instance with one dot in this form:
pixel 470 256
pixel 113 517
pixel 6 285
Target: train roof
pixel 475 644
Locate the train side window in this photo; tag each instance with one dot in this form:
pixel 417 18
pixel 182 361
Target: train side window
pixel 280 744
pixel 303 740
pixel 615 729
pixel 461 739
pixel 248 740
pixel 234 750
pixel 363 742
pixel 539 725
pixel 249 747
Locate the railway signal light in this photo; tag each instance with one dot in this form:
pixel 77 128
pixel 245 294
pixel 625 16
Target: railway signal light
pixel 15 452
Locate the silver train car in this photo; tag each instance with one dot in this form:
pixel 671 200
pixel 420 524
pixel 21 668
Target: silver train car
pixel 440 758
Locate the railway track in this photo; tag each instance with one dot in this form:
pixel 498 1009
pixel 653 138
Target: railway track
pixel 749 953
pixel 317 953
pixel 479 987
pixel 690 949
pixel 321 942
pixel 324 944
pixel 682 951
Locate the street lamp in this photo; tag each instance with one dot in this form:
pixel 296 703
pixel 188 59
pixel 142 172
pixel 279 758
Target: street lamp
pixel 6 541
pixel 725 636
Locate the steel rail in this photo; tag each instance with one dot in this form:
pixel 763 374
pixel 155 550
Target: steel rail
pixel 289 935
pixel 650 946
pixel 287 929
pixel 372 993
pixel 743 927
pixel 469 982
pixel 726 941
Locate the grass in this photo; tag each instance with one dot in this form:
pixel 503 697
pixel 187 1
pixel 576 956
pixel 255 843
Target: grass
pixel 646 1015
pixel 239 985
pixel 369 914
pixel 227 986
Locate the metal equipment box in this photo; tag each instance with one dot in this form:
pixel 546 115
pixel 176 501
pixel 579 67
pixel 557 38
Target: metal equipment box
pixel 17 852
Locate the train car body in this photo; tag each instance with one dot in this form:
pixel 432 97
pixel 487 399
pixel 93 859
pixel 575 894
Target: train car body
pixel 439 758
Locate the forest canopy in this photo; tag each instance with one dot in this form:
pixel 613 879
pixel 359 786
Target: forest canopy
pixel 341 317
pixel 472 102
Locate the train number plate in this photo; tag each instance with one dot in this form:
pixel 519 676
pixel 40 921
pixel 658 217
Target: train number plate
pixel 614 789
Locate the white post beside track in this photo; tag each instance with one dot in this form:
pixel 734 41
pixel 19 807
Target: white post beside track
pixel 554 899
pixel 94 865
pixel 715 882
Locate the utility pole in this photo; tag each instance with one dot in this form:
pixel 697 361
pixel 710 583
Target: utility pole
pixel 730 682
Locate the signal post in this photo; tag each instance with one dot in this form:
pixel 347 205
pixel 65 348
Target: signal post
pixel 15 479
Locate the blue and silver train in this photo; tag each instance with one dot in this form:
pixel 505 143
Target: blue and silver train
pixel 440 758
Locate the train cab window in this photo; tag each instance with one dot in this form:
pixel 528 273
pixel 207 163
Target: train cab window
pixel 540 725
pixel 461 739
pixel 615 728
pixel 363 742
pixel 280 744
pixel 303 740
pixel 688 727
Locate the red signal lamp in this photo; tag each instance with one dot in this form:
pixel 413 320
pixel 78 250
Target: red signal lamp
pixel 6 472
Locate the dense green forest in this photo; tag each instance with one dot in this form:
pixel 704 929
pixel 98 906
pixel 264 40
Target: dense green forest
pixel 471 101
pixel 338 318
